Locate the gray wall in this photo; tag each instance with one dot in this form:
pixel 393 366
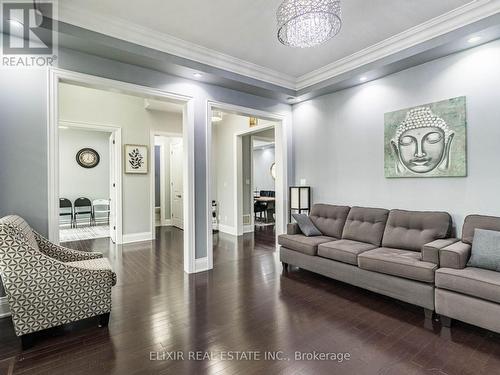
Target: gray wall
pixel 76 181
pixel 23 140
pixel 263 158
pixel 157 176
pixel 338 138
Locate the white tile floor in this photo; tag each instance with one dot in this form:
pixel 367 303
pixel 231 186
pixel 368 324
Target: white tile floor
pixel 83 233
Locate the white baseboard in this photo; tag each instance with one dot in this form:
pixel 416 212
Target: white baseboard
pixel 4 307
pixel 137 237
pixel 227 229
pixel 248 228
pixel 201 264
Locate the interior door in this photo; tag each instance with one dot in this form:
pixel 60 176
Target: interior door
pixel 112 188
pixel 176 181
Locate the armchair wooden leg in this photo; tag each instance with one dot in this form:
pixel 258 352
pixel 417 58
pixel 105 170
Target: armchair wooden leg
pixel 104 320
pixel 27 341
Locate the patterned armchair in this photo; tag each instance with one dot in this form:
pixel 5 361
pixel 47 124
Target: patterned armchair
pixel 49 285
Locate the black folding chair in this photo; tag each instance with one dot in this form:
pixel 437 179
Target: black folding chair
pixel 66 209
pixel 83 206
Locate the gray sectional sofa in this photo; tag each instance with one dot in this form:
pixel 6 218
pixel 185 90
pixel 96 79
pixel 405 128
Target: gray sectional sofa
pixel 395 253
pixel 407 255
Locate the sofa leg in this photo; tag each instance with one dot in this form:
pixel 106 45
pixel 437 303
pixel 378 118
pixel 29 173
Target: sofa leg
pixel 27 341
pixel 428 314
pixel 445 321
pixel 104 320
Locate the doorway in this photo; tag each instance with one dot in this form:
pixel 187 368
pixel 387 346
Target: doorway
pixel 89 163
pixel 231 195
pixel 262 177
pixel 135 228
pixel 168 180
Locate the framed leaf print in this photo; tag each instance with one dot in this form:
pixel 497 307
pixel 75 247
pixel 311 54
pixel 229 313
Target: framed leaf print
pixel 136 159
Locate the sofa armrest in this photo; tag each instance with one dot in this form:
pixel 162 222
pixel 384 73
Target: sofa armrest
pixel 430 251
pixel 293 228
pixel 455 255
pixel 61 253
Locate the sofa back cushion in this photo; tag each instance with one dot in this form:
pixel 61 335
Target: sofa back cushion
pixel 473 222
pixel 329 219
pixel 365 225
pixel 410 230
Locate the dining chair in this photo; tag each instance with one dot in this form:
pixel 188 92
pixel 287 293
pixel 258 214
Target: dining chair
pixel 83 206
pixel 66 209
pixel 100 210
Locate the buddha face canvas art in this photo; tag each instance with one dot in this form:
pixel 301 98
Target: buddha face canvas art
pixel 427 141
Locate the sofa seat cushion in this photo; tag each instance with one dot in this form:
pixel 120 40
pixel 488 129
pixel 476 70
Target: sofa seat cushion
pixel 303 244
pixel 475 282
pixel 345 251
pixel 397 262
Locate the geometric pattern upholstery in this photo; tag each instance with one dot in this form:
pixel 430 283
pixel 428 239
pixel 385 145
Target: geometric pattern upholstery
pixel 49 285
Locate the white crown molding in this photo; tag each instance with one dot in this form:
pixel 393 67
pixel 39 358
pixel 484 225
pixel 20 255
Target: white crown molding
pixel 120 29
pixel 453 20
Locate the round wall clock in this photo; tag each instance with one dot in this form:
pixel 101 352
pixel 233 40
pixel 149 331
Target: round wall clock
pixel 273 171
pixel 87 158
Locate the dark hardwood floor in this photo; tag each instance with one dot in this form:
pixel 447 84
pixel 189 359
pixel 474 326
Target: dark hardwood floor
pixel 245 304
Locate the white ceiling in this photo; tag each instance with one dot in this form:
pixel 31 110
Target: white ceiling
pixel 246 30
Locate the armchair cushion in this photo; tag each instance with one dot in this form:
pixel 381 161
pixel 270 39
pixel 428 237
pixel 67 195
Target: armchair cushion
pixel 455 255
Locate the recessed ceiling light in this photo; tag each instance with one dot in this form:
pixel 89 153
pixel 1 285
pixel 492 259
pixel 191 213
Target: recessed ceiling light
pixel 197 75
pixel 16 24
pixel 363 79
pixel 474 39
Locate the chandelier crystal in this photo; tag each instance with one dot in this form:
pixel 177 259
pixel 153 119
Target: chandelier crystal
pixel 307 23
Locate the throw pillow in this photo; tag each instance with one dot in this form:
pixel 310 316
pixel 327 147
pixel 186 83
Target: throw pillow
pixel 485 250
pixel 306 225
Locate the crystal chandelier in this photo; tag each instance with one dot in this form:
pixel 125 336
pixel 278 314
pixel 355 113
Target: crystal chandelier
pixel 307 23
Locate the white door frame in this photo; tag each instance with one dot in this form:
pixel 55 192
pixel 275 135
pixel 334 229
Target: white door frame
pixel 117 167
pixel 252 182
pixel 238 175
pixel 55 76
pixel 281 164
pixel 164 220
